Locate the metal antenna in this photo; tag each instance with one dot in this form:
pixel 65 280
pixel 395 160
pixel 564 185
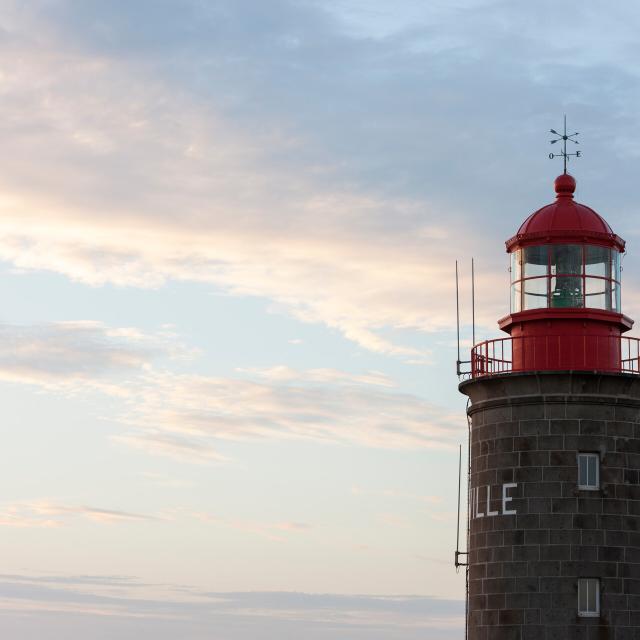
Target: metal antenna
pixel 459 362
pixel 473 305
pixel 458 552
pixel 459 482
pixel 564 137
pixel 457 320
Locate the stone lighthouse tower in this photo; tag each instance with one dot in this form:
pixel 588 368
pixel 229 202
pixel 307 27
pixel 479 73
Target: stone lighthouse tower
pixel 554 505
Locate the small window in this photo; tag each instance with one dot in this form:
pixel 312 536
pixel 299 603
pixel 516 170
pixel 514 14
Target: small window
pixel 597 261
pixel 615 297
pixel 615 265
pixel 598 293
pixel 588 471
pixel 589 597
pixel 516 297
pixel 535 293
pixel 566 291
pixel 516 265
pixel 536 261
pixel 566 260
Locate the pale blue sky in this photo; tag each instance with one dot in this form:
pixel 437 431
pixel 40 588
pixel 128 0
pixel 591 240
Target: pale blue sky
pixel 227 342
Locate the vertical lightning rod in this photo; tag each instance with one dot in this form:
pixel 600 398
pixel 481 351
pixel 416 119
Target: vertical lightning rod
pixel 459 482
pixel 459 553
pixel 473 304
pixel 457 321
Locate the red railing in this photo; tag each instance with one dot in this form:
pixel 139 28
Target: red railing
pixel 612 354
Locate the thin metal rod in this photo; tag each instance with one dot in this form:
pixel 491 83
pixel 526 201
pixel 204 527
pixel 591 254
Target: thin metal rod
pixel 473 304
pixel 564 143
pixel 457 320
pixel 459 483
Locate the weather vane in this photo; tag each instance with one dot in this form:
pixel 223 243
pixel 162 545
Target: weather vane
pixel 564 137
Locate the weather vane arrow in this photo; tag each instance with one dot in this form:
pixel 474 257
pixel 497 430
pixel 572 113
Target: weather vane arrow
pixel 564 137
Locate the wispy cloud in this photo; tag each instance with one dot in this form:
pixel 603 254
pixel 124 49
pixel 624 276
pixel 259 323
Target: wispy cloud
pixel 64 602
pixel 64 353
pixel 285 374
pixel 293 160
pixel 191 416
pixel 171 185
pixel 45 513
pixel 192 448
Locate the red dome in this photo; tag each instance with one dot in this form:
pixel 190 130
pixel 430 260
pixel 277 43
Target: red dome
pixel 565 221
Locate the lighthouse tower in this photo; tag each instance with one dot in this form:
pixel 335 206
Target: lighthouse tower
pixel 554 503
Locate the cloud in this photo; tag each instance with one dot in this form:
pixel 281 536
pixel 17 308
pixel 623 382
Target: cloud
pixel 191 416
pixel 285 374
pixel 140 174
pixel 47 514
pixel 192 449
pixel 70 607
pixel 62 354
pixel 279 153
pixel 225 162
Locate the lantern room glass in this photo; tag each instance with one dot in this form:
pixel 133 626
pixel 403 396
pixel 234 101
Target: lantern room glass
pixel 561 276
pixel 536 261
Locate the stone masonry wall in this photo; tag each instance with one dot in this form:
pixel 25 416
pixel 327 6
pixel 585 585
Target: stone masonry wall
pixel 524 567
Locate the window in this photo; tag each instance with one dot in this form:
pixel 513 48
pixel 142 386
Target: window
pixel 516 265
pixel 565 276
pixel 566 259
pixel 516 297
pixel 597 261
pixel 588 471
pixel 615 266
pixel 589 597
pixel 566 291
pixel 615 297
pixel 598 294
pixel 535 293
pixel 536 261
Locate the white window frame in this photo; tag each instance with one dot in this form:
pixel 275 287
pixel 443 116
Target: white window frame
pixel 596 458
pixel 583 583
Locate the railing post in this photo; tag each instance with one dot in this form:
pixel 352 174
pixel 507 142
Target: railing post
pixel 619 353
pixel 485 364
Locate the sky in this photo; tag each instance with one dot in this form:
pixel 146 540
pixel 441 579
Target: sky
pixel 228 233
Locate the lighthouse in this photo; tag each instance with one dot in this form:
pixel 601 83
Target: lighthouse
pixel 554 487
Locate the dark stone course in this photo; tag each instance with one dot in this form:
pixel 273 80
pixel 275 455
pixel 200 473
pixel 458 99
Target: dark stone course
pixel 551 443
pixel 524 568
pixel 564 427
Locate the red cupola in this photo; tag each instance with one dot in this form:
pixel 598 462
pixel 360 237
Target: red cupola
pixel 565 221
pixel 565 288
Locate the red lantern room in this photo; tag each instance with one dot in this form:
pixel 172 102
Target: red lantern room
pixel 565 294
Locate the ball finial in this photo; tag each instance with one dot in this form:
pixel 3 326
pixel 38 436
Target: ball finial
pixel 565 185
